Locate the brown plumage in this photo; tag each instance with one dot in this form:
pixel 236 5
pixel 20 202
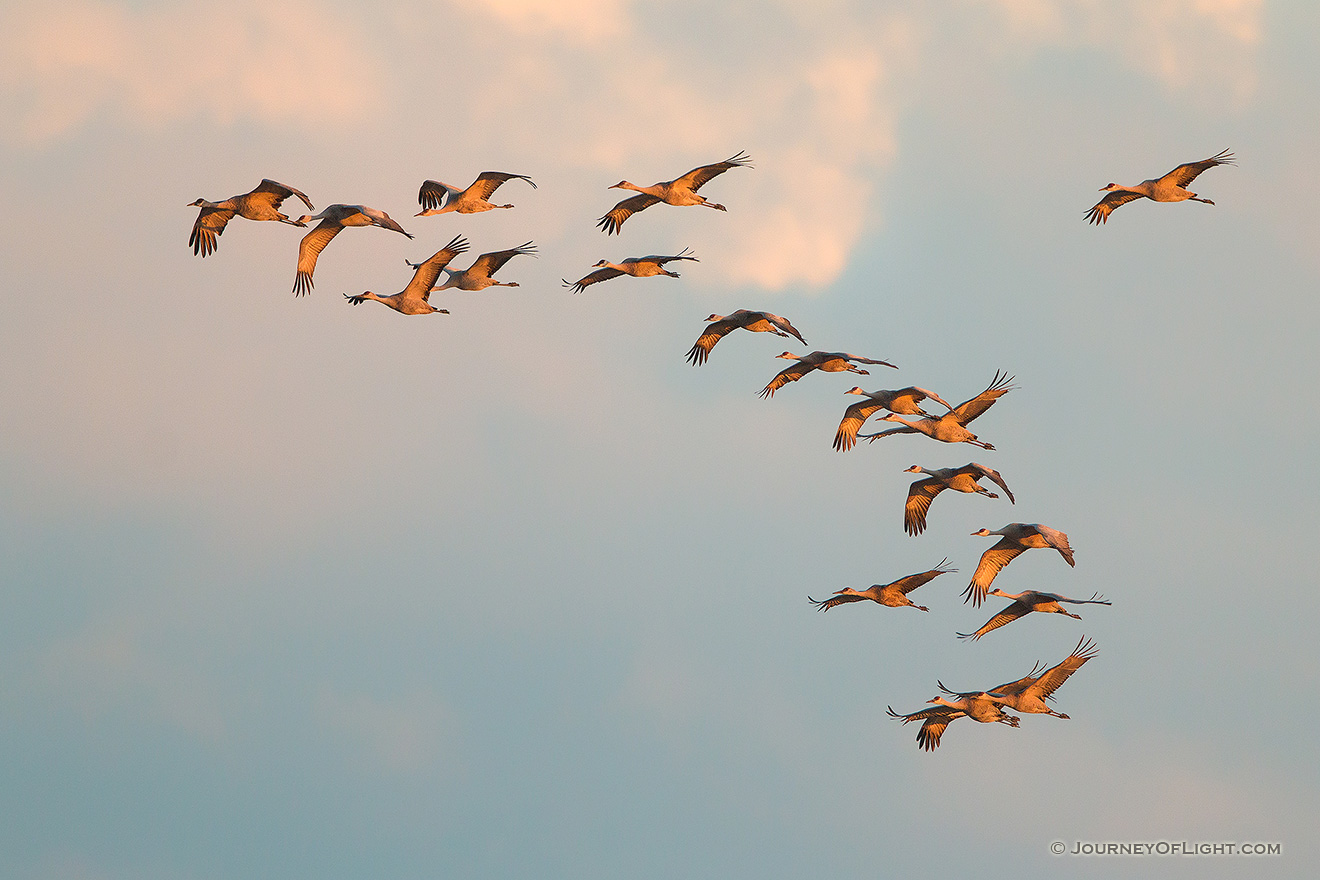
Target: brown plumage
pixel 478 275
pixel 828 361
pixel 722 325
pixel 1026 602
pixel 980 707
pixel 1029 693
pixel 952 426
pixel 892 594
pixel 263 203
pixel 904 400
pixel 415 298
pixel 681 191
pixel 964 479
pixel 1169 188
pixel 637 267
pixel 1015 539
pixel 441 198
pixel 333 219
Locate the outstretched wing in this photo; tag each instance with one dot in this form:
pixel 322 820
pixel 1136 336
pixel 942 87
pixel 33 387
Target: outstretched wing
pixel 275 193
pixel 785 326
pixel 853 418
pixel 1187 172
pixel 992 560
pixel 308 250
pixel 858 359
pixel 912 581
pixel 1056 539
pixel 981 470
pixel 660 259
pixel 1053 678
pixel 920 494
pixel 713 333
pixel 611 222
pixel 599 275
pixel 1011 613
pixel 489 181
pixel 699 177
pixel 1100 211
pixel 489 264
pixel 969 410
pixel 428 271
pixel 827 604
pixel 207 228
pixel 786 375
pixel 433 194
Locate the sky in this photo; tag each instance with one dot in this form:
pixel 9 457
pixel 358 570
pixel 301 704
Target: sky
pixel 296 588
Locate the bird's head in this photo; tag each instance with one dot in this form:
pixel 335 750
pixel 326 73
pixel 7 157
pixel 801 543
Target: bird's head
pixel 197 204
pixel 622 184
pixel 600 263
pixel 1109 187
pixel 856 389
pixel 304 218
pixel 788 355
pixel 915 469
pixel 714 317
pixel 996 591
pixel 982 533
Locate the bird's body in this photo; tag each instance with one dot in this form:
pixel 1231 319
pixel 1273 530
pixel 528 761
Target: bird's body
pixel 333 219
pixel 980 707
pixel 1029 693
pixel 1169 188
pixel 905 401
pixel 441 198
pixel 414 299
pixel 478 275
pixel 952 426
pixel 1015 539
pixel 1026 602
pixel 722 325
pixel 681 191
pixel 263 203
pixel 893 595
pixel 637 267
pixel 963 479
pixel 826 361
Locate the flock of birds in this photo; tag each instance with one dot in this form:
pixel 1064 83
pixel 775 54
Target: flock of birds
pixel 903 406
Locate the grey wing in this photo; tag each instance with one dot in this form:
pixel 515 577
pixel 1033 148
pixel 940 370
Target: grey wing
pixel 489 264
pixel 861 360
pixel 591 278
pixel 911 582
pixel 933 396
pixel 281 192
pixel 783 324
pixel 992 560
pixel 699 177
pixel 993 475
pixel 827 604
pixel 1011 613
pixel 1056 539
pixel 1100 211
pixel 433 194
pixel 489 181
pixel 1188 171
pixel 207 228
pixel 611 222
pixel 970 409
pixel 308 250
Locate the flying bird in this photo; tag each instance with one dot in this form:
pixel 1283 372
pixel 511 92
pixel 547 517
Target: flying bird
pixel 894 595
pixel 952 426
pixel 1015 539
pixel 478 275
pixel 414 299
pixel 333 219
pixel 441 198
pixel 1169 188
pixel 828 361
pixel 906 401
pixel 637 267
pixel 263 203
pixel 1026 602
pixel 964 479
pixel 680 191
pixel 722 325
pixel 980 707
pixel 1029 693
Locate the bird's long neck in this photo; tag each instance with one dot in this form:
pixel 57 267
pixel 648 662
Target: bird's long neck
pixel 655 189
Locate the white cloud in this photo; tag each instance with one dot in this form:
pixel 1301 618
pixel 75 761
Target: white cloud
pixel 587 20
pixel 273 62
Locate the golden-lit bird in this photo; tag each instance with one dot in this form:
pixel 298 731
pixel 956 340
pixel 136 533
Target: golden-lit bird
pixel 722 325
pixel 1026 602
pixel 1015 539
pixel 963 479
pixel 894 595
pixel 980 707
pixel 414 299
pixel 333 219
pixel 952 426
pixel 681 191
pixel 263 203
pixel 478 275
pixel 827 361
pixel 1029 693
pixel 1169 188
pixel 904 400
pixel 637 267
pixel 441 198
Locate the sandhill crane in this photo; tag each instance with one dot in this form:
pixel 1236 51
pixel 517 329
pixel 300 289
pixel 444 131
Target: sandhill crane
pixel 637 267
pixel 1015 539
pixel 333 219
pixel 980 707
pixel 722 325
pixel 893 594
pixel 680 191
pixel 1168 188
pixel 263 203
pixel 472 200
pixel 1029 693
pixel 1026 602
pixel 828 361
pixel 414 299
pixel 904 400
pixel 478 275
pixel 952 426
pixel 964 479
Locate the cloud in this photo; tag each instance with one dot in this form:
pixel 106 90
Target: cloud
pixel 585 20
pixel 68 61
